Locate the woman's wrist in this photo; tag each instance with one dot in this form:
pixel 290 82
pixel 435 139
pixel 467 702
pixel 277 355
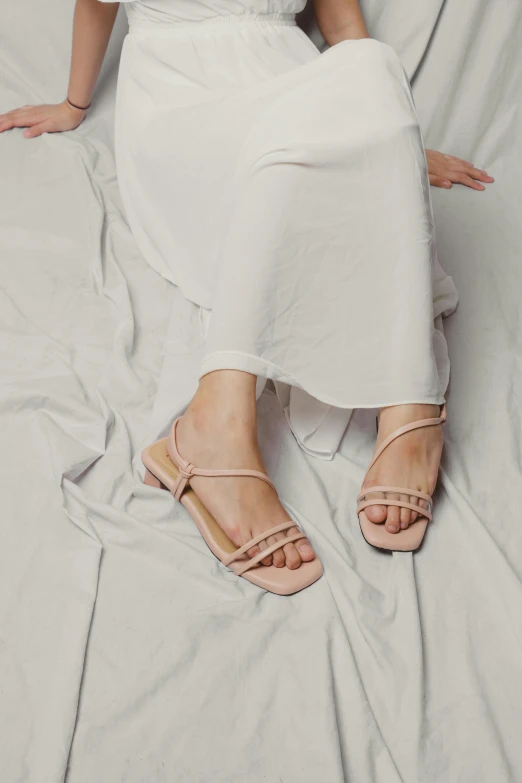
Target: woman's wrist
pixel 77 106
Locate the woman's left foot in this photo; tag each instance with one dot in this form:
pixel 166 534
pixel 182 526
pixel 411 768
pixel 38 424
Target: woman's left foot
pixel 409 461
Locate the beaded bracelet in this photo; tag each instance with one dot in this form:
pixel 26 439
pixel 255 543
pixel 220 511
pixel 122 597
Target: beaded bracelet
pixel 82 108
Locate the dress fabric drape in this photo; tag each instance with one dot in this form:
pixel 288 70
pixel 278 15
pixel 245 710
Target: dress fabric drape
pixel 286 193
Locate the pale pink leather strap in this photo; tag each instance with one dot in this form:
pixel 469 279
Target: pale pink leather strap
pixel 187 470
pixel 268 551
pixel 257 539
pixel 407 428
pixel 398 490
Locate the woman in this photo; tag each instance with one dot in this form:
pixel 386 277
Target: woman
pixel 286 192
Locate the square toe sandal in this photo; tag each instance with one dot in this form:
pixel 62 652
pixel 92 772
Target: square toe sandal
pixel 375 533
pixel 166 469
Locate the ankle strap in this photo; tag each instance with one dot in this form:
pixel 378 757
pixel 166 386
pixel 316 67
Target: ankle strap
pixel 415 425
pixel 187 470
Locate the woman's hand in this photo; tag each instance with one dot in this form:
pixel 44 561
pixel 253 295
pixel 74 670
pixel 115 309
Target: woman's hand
pixel 445 169
pixel 49 118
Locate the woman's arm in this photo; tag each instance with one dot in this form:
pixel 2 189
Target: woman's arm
pixel 92 27
pixel 340 20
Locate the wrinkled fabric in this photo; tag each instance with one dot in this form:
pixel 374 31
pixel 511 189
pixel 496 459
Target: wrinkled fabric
pixel 285 192
pixel 127 653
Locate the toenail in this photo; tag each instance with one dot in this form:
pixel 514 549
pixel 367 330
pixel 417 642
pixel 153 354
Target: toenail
pixel 305 549
pixel 392 528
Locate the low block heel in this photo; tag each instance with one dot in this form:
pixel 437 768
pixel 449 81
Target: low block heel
pixel 151 481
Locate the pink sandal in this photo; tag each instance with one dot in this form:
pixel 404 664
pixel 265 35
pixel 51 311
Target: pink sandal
pixel 168 470
pixel 411 538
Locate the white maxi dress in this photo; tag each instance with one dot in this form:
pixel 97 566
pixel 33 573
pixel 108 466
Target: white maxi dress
pixel 285 192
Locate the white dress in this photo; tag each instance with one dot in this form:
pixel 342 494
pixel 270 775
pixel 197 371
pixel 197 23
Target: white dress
pixel 286 193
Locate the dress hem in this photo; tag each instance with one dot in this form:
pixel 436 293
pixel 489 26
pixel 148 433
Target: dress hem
pixel 239 360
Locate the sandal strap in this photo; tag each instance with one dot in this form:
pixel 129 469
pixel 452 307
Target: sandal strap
pixel 407 428
pixel 257 539
pixel 401 503
pixel 398 490
pixel 187 469
pixel 261 556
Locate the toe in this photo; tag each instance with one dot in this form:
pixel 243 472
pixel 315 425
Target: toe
pixel 422 503
pixel 375 514
pixel 413 514
pixel 292 556
pixel 278 556
pixel 393 516
pixel 266 561
pixel 305 550
pixel 250 553
pixel 404 513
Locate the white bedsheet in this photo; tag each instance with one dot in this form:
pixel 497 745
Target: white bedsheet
pixel 127 653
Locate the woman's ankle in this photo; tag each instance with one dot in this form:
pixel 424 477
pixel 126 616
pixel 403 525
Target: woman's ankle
pixel 225 400
pixel 409 412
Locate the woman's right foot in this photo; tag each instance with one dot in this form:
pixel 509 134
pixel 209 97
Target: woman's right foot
pixel 219 430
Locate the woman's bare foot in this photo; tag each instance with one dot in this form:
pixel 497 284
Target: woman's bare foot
pixel 219 430
pixel 412 460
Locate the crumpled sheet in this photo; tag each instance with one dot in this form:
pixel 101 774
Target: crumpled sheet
pixel 127 653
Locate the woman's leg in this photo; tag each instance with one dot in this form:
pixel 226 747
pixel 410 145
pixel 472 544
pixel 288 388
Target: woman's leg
pixel 327 267
pixel 219 430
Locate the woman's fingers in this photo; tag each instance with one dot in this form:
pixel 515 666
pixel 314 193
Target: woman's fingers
pixel 50 118
pixel 37 130
pixel 464 179
pixel 444 169
pixel 20 118
pixel 463 167
pixel 439 182
pixel 479 174
pixel 11 119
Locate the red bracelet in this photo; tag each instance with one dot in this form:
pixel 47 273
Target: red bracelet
pixel 82 108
